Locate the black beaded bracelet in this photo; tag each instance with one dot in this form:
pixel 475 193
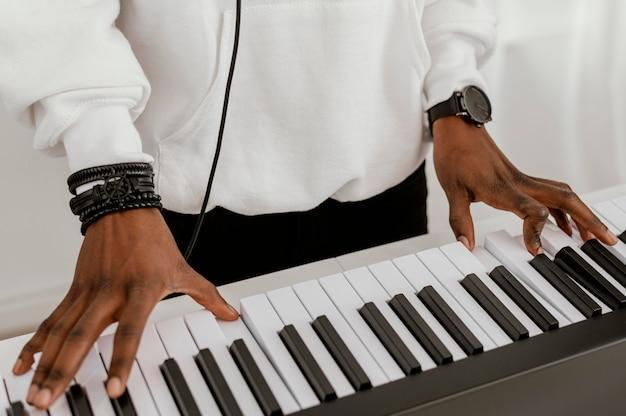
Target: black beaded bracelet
pixel 104 211
pixel 125 186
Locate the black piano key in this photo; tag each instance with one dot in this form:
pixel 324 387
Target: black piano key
pixel 16 409
pixel 605 259
pixel 307 364
pixel 450 321
pixel 254 378
pixel 420 330
pixel 566 286
pixel 217 383
pixel 123 405
pixel 524 299
pixel 342 355
pixel 78 401
pixel 622 237
pixel 494 307
pixel 178 387
pixel 589 278
pixel 390 339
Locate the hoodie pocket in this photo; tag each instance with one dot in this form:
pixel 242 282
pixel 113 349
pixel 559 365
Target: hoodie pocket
pixel 215 82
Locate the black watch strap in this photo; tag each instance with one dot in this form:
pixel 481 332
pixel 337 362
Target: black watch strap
pixel 450 107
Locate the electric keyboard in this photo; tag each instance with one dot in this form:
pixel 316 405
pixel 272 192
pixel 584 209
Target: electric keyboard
pixel 386 331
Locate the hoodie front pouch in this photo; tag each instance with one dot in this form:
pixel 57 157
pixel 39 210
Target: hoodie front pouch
pixel 314 79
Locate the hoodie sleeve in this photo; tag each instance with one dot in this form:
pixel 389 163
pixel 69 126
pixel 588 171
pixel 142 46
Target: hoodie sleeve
pixel 459 34
pixel 67 71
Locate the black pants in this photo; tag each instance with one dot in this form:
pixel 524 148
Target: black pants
pixel 233 247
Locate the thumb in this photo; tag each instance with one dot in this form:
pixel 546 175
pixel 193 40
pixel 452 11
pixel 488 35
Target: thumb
pixel 206 294
pixel 461 221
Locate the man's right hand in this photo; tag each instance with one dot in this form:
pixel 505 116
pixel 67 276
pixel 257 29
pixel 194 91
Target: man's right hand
pixel 128 262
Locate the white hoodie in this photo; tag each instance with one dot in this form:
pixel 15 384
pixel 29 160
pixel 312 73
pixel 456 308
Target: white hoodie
pixel 328 97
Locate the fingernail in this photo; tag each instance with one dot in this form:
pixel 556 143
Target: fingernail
pixel 463 240
pixel 114 387
pixel 42 398
pixel 17 368
pixel 539 251
pixel 232 309
pixel 32 392
pixel 614 238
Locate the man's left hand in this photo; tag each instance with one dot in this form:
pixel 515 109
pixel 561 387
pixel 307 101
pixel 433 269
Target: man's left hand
pixel 471 168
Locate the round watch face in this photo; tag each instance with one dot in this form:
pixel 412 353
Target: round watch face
pixel 477 104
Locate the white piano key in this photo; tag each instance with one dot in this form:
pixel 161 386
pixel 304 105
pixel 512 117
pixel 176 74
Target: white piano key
pixel 207 334
pixel 261 319
pixel 467 264
pixel 515 258
pixel 394 283
pixel 4 399
pixel 181 347
pixel 291 311
pixel 368 288
pixel 92 376
pixel 348 303
pixel 150 355
pixel 17 388
pixel 486 259
pixel 612 213
pixel 136 385
pixel 450 278
pixel 553 239
pixel 490 262
pixel 317 303
pixel 419 276
pixel 620 202
pixel 234 330
pixel 60 407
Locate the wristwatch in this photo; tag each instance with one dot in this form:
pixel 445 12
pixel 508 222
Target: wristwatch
pixel 471 104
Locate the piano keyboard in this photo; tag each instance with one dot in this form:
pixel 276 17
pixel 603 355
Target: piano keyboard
pixel 390 336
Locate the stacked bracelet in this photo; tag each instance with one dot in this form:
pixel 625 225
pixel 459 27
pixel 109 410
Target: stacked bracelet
pixel 125 186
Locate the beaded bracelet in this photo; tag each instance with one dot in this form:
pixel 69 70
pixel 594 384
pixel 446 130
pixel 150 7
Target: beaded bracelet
pixel 105 211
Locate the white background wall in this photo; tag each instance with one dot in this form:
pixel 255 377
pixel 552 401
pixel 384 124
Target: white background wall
pixel 558 82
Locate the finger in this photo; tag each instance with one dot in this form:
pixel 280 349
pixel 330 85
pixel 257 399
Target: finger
pixel 557 184
pixel 535 216
pixel 559 195
pixel 53 344
pixel 588 223
pixel 561 220
pixel 461 220
pixel 77 344
pixel 126 342
pixel 585 235
pixel 206 294
pixel 26 358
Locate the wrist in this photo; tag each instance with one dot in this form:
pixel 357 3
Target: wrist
pixel 455 129
pixel 140 217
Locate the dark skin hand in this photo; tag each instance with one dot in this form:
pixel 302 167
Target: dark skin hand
pixel 471 168
pixel 127 263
